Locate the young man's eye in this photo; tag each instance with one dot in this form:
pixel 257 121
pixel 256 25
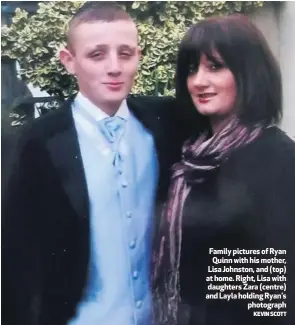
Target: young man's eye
pixel 96 55
pixel 125 54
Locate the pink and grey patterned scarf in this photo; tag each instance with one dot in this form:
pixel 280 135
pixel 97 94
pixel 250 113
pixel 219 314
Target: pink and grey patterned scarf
pixel 199 159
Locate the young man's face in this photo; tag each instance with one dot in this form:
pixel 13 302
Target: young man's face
pixel 104 57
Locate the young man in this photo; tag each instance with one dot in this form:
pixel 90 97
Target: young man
pixel 78 210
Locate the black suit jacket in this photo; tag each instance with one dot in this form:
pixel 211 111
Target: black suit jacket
pixel 45 223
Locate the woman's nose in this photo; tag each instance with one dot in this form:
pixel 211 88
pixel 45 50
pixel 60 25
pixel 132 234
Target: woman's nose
pixel 199 78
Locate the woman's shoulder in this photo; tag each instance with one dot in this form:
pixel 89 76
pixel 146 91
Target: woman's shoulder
pixel 277 139
pixel 272 146
pixel 264 158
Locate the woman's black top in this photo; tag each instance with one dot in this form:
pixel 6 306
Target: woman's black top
pixel 248 203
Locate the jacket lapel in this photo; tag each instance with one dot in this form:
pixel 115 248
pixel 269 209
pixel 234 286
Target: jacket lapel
pixel 65 153
pixel 157 115
pixel 146 114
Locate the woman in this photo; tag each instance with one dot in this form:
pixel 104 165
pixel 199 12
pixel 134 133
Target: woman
pixel 235 185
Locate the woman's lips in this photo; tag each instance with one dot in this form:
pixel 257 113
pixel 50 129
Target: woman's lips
pixel 205 98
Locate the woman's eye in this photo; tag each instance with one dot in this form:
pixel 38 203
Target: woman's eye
pixel 192 69
pixel 216 66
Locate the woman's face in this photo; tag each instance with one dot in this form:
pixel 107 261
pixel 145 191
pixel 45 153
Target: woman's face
pixel 212 88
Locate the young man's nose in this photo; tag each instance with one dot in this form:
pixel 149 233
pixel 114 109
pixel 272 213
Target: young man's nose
pixel 114 65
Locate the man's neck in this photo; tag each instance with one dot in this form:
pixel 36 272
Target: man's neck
pixel 110 108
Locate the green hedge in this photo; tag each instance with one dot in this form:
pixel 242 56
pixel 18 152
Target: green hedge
pixel 35 40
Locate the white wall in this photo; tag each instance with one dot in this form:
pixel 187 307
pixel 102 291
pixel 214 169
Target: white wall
pixel 287 61
pixel 266 19
pixel 277 22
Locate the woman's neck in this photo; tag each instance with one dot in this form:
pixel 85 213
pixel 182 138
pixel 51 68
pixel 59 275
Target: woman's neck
pixel 219 122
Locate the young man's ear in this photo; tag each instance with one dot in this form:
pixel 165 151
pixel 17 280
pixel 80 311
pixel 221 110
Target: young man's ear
pixel 67 59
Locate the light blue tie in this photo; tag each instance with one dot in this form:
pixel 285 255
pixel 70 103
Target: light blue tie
pixel 113 129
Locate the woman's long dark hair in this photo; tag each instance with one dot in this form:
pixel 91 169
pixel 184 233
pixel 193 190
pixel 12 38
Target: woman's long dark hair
pixel 246 53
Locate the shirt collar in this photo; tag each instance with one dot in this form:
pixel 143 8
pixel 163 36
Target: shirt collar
pixel 98 114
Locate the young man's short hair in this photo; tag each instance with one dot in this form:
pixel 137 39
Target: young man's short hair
pixel 93 11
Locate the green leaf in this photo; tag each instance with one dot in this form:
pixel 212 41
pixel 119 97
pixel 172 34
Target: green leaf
pixel 135 5
pixel 34 40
